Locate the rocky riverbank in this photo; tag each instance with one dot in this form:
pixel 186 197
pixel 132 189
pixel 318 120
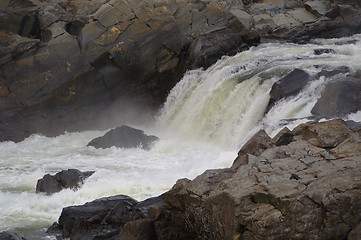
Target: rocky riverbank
pixel 301 184
pixel 75 65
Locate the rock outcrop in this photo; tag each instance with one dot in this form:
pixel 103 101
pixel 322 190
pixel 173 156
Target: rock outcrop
pixel 71 178
pixel 124 137
pixel 74 65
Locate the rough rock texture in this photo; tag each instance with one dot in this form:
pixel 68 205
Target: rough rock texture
pixel 102 218
pixel 10 236
pixel 71 178
pixel 309 188
pixel 70 65
pixel 124 137
pixel 339 98
pixel 73 65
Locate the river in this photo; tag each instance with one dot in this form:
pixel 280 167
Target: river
pixel 207 117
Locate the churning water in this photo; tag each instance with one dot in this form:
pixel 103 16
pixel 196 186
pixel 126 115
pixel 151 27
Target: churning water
pixel 204 121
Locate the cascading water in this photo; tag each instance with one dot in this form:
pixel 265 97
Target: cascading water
pixel 205 119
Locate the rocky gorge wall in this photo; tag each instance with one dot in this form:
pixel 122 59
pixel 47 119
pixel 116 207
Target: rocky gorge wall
pixel 74 65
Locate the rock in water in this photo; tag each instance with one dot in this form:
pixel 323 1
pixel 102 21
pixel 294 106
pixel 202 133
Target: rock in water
pixel 71 178
pixel 103 218
pixel 289 85
pixel 124 137
pixel 10 236
pixel 339 98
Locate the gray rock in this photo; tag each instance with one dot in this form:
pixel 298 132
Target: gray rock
pixel 10 236
pixel 124 137
pixel 339 98
pixel 304 193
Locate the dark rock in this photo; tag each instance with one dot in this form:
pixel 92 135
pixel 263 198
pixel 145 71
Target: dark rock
pixel 94 218
pixel 104 218
pixel 289 85
pixel 71 178
pixel 10 236
pixel 339 98
pixel 124 137
pixel 320 51
pixel 283 137
pixel 355 234
pixel 328 73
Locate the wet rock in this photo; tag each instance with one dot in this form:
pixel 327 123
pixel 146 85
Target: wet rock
pixel 328 73
pixel 10 236
pixel 71 178
pixel 304 193
pixel 124 137
pixel 103 218
pixel 320 51
pixel 318 8
pixel 283 137
pixel 339 98
pixel 289 85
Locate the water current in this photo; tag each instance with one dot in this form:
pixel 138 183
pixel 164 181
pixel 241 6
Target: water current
pixel 207 117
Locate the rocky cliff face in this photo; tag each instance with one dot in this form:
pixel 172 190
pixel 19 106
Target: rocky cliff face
pixel 75 64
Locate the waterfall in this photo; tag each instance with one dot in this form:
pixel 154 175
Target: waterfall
pixel 226 102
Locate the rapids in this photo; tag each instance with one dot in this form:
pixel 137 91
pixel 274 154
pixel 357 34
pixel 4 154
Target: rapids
pixel 207 117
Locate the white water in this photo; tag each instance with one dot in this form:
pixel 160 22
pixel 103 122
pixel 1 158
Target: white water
pixel 205 120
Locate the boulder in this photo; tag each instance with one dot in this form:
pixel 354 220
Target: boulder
pixel 103 218
pixel 71 178
pixel 10 236
pixel 293 191
pixel 124 137
pixel 355 234
pixel 289 85
pixel 339 98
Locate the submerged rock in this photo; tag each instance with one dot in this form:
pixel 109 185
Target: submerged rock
pixel 124 137
pixel 71 178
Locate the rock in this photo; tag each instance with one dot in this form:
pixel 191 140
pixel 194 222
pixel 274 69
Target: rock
pixel 304 193
pixel 255 146
pixel 283 137
pixel 355 234
pixel 318 8
pixel 289 85
pixel 339 98
pixel 10 236
pixel 328 73
pixel 71 178
pixel 124 137
pixel 103 218
pixel 320 51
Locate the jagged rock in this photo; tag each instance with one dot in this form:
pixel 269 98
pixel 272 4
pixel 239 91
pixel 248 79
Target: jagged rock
pixel 124 137
pixel 319 8
pixel 71 178
pixel 355 234
pixel 283 137
pixel 255 146
pixel 289 85
pixel 339 98
pixel 303 193
pixel 10 236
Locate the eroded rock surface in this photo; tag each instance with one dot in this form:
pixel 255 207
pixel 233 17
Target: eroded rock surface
pixel 308 188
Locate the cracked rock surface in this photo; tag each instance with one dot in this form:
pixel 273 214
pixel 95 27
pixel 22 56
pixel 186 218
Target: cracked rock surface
pixel 309 188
